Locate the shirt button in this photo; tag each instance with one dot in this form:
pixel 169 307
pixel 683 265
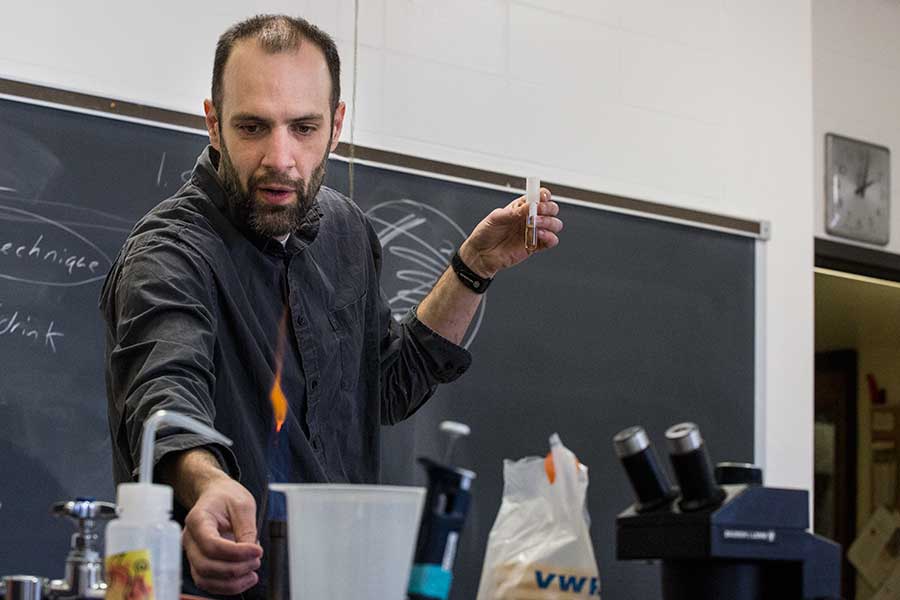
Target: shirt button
pixel 314 384
pixel 315 442
pixel 300 321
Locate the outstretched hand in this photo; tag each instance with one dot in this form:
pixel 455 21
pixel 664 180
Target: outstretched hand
pixel 220 538
pixel 498 241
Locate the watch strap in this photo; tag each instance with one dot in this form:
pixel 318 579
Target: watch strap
pixel 469 278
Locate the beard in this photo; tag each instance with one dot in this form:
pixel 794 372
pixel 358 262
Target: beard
pixel 266 219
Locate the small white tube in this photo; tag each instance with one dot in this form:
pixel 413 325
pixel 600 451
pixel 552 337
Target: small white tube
pixel 454 431
pixel 533 197
pixel 532 194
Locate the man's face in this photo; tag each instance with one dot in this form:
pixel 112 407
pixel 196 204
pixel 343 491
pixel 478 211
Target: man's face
pixel 274 132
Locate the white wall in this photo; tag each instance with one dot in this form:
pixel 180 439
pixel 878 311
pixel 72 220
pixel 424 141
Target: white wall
pixel 856 54
pixel 700 103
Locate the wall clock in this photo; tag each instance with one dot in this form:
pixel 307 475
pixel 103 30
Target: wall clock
pixel 857 189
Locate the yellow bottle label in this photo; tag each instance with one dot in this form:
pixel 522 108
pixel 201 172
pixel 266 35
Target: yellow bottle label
pixel 129 576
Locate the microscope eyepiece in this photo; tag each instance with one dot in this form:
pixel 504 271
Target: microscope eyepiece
pixel 630 441
pixel 692 467
pixel 683 438
pixel 649 481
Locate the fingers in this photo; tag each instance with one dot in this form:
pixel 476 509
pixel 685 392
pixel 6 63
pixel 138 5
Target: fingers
pixel 551 224
pixel 550 209
pixel 218 564
pixel 523 201
pixel 212 568
pixel 243 520
pixel 548 225
pixel 227 587
pixel 203 529
pixel 547 240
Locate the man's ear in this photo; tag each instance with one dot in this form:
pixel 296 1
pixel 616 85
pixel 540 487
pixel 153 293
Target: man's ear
pixel 337 123
pixel 212 124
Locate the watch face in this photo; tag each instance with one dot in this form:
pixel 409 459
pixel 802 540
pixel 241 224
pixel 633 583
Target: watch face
pixel 857 189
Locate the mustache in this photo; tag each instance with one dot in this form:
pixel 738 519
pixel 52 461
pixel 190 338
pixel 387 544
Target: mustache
pixel 279 179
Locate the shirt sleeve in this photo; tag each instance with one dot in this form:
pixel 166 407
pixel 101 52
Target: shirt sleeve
pixel 161 349
pixel 414 358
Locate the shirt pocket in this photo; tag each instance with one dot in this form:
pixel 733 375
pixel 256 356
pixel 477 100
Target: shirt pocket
pixel 348 323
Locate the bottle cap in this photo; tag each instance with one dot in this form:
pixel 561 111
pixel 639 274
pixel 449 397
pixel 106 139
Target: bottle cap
pixel 143 498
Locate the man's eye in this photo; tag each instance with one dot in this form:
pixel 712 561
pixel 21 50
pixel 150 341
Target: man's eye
pixel 250 129
pixel 304 129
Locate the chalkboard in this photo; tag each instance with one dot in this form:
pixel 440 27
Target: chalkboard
pixel 71 187
pixel 629 321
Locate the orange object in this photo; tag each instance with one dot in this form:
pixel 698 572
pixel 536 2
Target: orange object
pixel 279 402
pixel 550 468
pixel 276 395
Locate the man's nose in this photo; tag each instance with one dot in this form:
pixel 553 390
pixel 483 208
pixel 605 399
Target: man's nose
pixel 278 156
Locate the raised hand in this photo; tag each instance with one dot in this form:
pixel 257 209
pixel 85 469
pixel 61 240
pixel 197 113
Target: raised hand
pixel 498 241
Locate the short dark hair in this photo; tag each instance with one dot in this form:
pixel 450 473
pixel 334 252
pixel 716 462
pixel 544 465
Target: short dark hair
pixel 276 33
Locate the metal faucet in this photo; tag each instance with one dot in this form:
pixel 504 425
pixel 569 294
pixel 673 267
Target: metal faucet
pixel 84 565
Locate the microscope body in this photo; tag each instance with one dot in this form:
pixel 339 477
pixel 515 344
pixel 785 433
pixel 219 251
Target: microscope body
pixel 727 536
pixel 753 545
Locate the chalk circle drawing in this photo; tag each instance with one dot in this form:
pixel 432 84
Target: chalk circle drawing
pixel 418 242
pixel 41 251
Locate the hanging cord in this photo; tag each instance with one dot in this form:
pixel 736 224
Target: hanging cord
pixel 353 97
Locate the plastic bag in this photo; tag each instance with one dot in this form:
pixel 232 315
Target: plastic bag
pixel 540 545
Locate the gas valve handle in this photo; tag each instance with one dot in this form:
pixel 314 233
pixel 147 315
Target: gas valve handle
pixel 84 508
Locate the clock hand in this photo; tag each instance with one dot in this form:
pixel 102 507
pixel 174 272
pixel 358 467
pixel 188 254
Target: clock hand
pixel 863 181
pixel 862 190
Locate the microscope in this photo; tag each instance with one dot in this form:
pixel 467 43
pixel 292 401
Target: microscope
pixel 721 534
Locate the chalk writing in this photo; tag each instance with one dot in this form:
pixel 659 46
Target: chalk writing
pixel 159 172
pixel 84 217
pixel 15 324
pixel 420 240
pixel 35 251
pixel 30 258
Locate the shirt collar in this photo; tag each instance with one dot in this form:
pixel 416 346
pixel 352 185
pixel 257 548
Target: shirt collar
pixel 206 177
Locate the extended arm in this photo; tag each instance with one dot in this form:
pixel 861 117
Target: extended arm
pixel 159 305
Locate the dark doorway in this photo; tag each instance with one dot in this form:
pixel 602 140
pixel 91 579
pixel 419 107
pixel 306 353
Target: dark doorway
pixel 834 498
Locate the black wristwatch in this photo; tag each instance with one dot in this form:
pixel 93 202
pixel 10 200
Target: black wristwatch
pixel 470 278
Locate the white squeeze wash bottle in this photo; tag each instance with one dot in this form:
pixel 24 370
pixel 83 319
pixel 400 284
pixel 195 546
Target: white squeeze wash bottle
pixel 143 546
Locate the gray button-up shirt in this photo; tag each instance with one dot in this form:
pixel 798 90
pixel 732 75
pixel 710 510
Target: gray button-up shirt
pixel 201 311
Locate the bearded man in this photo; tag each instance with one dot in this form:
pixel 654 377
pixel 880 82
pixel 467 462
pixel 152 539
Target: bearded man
pixel 254 277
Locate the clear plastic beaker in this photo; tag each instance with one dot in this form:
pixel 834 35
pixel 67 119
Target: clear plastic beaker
pixel 350 541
